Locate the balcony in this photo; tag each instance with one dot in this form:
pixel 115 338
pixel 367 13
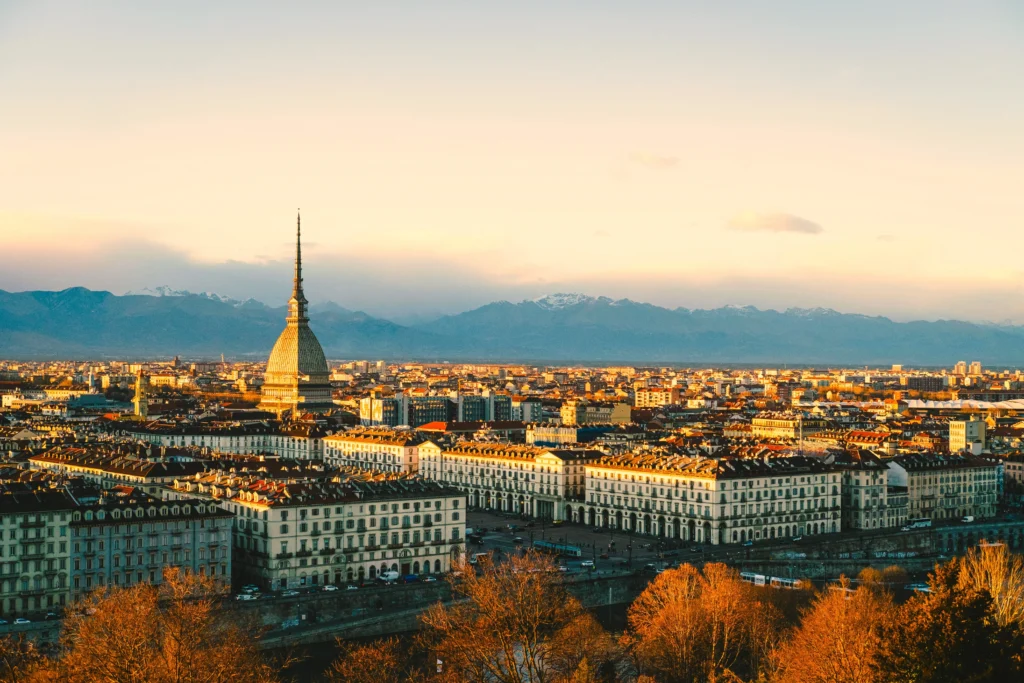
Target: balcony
pixel 315 532
pixel 328 551
pixel 32 525
pixel 441 542
pixel 283 556
pixel 393 546
pixel 372 546
pixel 303 553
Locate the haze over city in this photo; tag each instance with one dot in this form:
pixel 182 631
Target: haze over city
pixel 865 158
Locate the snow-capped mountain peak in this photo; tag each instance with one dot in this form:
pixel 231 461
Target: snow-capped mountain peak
pixel 164 290
pixel 553 302
pixel 811 312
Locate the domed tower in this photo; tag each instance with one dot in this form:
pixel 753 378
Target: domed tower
pixel 297 378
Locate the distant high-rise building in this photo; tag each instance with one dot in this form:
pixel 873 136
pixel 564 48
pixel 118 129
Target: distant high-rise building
pixel 960 368
pixel 975 367
pixel 297 378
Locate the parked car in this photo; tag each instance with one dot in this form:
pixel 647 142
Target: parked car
pixel 411 578
pixel 387 577
pixel 587 564
pixel 250 588
pixel 245 596
pixel 429 579
pixel 649 567
pixel 3 622
pixel 289 594
pixel 330 587
pixel 797 538
pixel 603 556
pixel 562 568
pixel 350 587
pixel 747 544
pixel 20 621
pixel 50 616
pixel 517 540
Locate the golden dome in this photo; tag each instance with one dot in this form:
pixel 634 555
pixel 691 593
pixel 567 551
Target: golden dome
pixel 296 354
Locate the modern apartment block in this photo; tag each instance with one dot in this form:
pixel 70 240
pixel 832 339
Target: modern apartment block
pixel 655 397
pixel 966 435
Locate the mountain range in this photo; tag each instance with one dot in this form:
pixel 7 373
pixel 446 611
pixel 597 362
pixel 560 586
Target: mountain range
pixel 81 323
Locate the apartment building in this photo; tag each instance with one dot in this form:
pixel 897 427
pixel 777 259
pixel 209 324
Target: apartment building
pixel 865 489
pixel 941 486
pixel 655 397
pixel 384 450
pixel 127 537
pixel 526 480
pixel 784 426
pixel 709 500
pixel 582 411
pixel 557 435
pixel 290 533
pixel 301 441
pixel 965 435
pixel 35 549
pixel 109 466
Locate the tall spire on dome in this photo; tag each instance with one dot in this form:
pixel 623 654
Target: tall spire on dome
pixel 297 304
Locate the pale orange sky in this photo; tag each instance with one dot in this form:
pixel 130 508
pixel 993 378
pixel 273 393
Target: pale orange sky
pixel 867 159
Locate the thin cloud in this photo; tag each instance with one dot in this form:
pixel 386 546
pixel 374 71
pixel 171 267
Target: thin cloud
pixel 773 222
pixel 887 238
pixel 656 162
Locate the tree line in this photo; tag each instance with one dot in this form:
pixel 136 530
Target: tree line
pixel 515 622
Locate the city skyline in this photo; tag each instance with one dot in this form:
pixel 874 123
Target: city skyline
pixel 776 155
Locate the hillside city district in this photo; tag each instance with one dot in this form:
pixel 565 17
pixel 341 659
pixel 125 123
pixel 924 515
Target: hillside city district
pixel 301 476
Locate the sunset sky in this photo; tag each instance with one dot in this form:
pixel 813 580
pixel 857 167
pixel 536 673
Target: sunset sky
pixel 864 156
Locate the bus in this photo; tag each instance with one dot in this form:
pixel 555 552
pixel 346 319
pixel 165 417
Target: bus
pixel 557 549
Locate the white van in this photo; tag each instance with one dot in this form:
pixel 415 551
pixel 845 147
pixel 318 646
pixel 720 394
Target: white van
pixel 388 577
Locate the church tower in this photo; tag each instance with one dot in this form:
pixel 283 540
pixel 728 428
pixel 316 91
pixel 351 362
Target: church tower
pixel 141 400
pixel 297 379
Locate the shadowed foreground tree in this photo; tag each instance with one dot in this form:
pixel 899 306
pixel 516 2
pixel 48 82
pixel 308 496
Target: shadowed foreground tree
pixel 514 622
pixel 381 660
pixel 695 626
pixel 993 569
pixel 173 633
pixel 21 661
pixel 950 634
pixel 838 639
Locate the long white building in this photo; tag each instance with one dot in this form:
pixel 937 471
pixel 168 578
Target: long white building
pixel 310 532
pixel 536 482
pixel 708 500
pixel 379 449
